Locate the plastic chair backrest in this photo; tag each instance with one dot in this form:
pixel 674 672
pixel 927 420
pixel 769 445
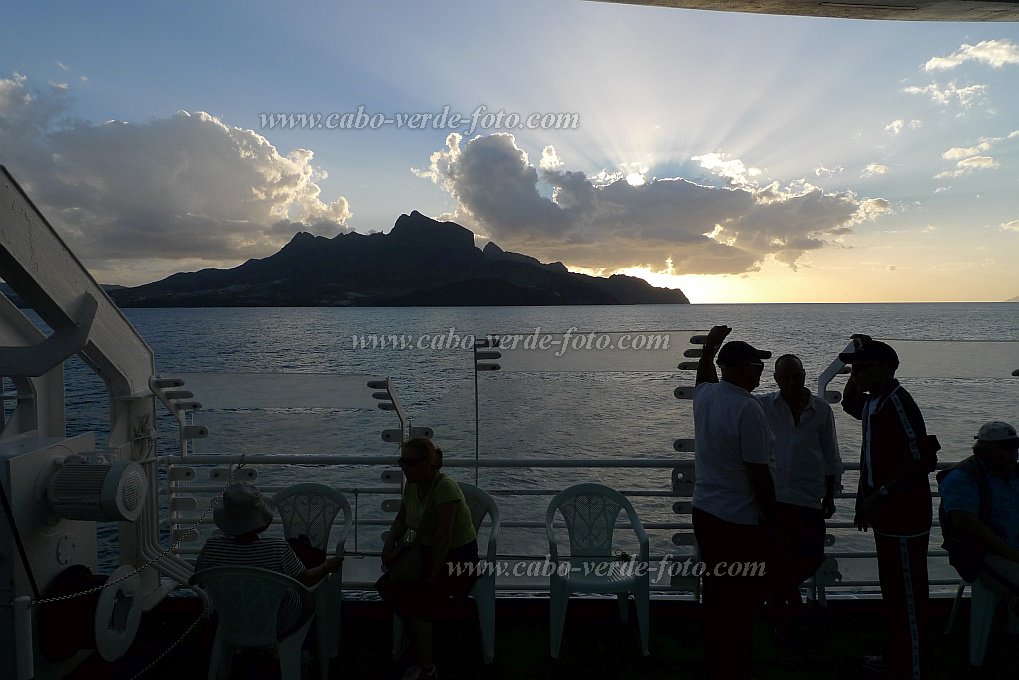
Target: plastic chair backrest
pixel 480 504
pixel 590 512
pixel 247 600
pixel 311 509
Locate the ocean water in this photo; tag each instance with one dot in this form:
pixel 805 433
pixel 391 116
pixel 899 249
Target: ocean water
pixel 960 376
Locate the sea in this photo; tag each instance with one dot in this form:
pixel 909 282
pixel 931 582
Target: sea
pixel 586 403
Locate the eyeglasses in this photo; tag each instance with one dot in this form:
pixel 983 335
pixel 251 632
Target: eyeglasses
pixel 408 462
pixel 755 365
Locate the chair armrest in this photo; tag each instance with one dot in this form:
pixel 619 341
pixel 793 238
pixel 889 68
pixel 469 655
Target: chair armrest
pixel 553 551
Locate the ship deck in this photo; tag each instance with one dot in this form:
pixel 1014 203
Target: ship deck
pixel 825 643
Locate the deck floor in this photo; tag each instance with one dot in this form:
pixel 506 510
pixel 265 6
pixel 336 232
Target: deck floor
pixel 825 644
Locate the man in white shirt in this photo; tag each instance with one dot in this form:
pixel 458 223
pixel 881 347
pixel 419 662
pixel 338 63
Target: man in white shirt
pixel 804 468
pixel 733 493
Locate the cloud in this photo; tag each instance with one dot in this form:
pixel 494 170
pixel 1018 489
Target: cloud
pixel 821 171
pixel 1011 226
pixel 726 223
pixel 186 186
pixel 874 169
pixel 965 152
pixel 994 53
pixel 965 96
pixel 968 165
pixel 898 125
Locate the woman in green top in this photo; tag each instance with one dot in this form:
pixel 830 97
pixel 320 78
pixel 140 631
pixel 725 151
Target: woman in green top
pixel 433 506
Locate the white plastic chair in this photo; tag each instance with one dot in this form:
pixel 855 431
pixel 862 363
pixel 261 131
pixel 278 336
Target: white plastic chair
pixel 480 504
pixel 247 600
pixel 983 603
pixel 311 509
pixel 590 512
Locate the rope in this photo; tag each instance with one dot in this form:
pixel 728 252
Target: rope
pixel 21 546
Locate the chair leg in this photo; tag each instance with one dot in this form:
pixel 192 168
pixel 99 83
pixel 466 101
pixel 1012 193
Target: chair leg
pixel 484 599
pixel 642 598
pixel 290 661
pixel 398 633
pixel 559 598
pixel 982 605
pixel 221 659
pixel 955 608
pixel 323 646
pixel 623 599
pixel 335 612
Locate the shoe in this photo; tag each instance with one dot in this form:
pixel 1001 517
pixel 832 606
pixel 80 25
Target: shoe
pixel 415 672
pixel 875 664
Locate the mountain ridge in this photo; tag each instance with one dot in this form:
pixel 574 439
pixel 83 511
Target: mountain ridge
pixel 420 262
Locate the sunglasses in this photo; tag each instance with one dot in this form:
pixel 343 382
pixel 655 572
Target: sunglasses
pixel 408 462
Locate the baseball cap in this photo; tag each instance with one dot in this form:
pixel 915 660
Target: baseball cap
pixel 997 431
pixel 872 350
pixel 736 352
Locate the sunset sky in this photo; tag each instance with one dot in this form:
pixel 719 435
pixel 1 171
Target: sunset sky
pixel 743 158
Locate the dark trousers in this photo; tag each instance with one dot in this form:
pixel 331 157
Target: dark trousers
pixel 798 550
pixel 902 568
pixel 730 602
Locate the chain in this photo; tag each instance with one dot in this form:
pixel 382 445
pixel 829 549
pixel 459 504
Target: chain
pixel 194 624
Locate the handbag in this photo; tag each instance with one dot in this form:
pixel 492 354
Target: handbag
pixel 409 564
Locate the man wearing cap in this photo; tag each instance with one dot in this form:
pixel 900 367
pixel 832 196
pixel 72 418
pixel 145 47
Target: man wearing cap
pixel 893 498
pixel 980 511
pixel 733 498
pixel 242 516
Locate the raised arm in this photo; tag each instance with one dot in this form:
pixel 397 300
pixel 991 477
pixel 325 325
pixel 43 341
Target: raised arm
pixel 706 366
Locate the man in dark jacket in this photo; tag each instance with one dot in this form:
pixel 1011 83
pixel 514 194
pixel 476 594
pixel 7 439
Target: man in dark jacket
pixel 894 498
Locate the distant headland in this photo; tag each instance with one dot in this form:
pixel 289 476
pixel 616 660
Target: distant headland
pixel 420 263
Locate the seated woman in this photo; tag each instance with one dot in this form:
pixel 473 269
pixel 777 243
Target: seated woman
pixel 432 505
pixel 243 515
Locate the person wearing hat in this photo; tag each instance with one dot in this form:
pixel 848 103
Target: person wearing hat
pixel 733 498
pixel 893 498
pixel 242 516
pixel 980 511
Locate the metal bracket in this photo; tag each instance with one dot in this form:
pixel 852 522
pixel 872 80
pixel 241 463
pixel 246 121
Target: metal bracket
pixel 39 359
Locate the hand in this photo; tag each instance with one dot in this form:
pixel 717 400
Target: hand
pixel 859 339
pixel 334 564
pixel 717 335
pixel 828 505
pixel 389 553
pixel 860 521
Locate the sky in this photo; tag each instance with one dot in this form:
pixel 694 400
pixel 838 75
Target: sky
pixel 739 157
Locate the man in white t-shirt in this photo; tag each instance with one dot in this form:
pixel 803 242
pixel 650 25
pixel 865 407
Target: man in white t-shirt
pixel 733 498
pixel 805 468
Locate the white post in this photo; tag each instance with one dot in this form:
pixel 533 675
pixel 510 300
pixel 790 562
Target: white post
pixel 23 648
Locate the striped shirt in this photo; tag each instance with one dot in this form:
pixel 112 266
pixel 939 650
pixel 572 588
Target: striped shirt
pixel 267 553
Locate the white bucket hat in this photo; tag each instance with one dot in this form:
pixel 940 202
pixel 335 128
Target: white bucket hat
pixel 243 509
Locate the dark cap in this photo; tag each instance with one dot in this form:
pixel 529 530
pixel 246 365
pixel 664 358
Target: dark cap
pixel 998 432
pixel 873 350
pixel 737 352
